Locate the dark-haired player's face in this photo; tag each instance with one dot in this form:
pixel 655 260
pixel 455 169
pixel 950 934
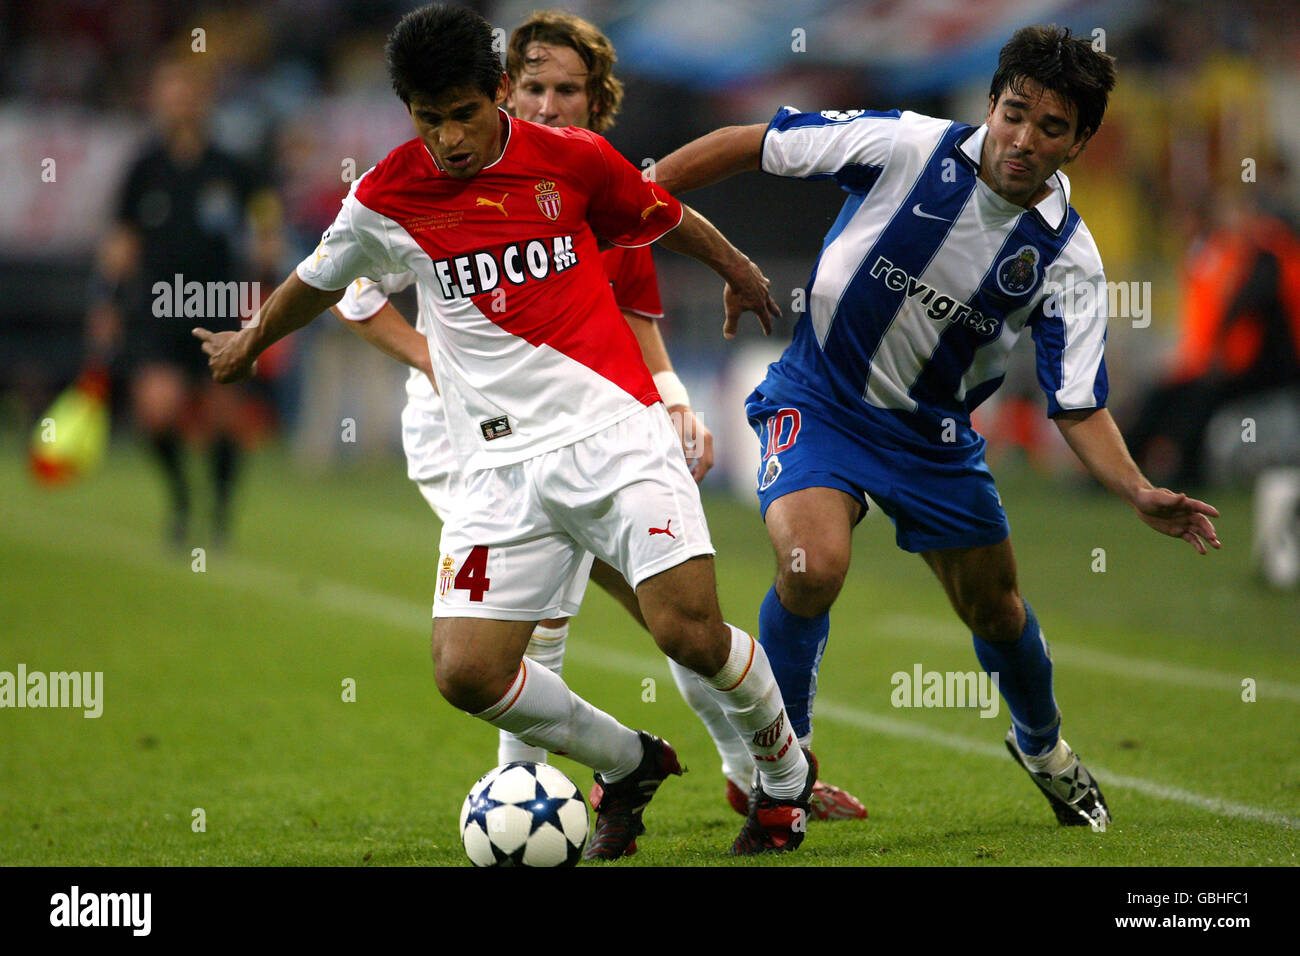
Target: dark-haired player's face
pixel 1031 134
pixel 461 129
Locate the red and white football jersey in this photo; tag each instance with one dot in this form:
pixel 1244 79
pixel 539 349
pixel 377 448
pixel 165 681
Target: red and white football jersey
pixel 533 350
pixel 632 276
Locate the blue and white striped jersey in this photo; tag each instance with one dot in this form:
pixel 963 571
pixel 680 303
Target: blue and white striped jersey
pixel 927 277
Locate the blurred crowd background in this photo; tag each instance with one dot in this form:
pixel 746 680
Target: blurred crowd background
pixel 1190 188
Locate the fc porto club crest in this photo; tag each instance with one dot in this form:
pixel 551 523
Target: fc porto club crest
pixel 770 473
pixel 548 199
pixel 1018 272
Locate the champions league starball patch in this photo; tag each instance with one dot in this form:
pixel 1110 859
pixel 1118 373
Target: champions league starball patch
pixel 1018 273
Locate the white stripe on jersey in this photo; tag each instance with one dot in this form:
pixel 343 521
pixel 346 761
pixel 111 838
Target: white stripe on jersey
pixel 365 297
pixel 853 138
pixel 966 255
pixel 474 356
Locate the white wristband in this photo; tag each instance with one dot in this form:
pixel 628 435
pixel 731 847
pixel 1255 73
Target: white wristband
pixel 671 389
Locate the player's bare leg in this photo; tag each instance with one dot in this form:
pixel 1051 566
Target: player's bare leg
pixel 811 531
pixel 680 606
pixel 158 396
pixel 480 667
pixel 811 534
pixel 612 582
pixel 981 584
pixel 737 765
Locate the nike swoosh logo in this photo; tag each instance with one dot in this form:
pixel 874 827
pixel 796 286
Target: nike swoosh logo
pixel 916 211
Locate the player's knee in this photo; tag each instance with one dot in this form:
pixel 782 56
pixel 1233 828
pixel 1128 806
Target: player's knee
pixel 466 684
pixel 694 637
pixel 998 618
pixel 808 584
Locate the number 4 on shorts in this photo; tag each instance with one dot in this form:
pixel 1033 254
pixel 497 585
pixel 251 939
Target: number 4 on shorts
pixel 472 576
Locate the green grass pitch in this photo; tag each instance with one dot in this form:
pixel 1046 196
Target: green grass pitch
pixel 223 689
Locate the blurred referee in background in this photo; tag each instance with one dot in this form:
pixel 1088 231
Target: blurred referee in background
pixel 185 212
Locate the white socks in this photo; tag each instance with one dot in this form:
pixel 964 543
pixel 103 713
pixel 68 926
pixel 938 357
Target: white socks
pixel 541 710
pixel 1054 761
pixel 740 706
pixel 748 695
pixel 737 764
pixel 546 647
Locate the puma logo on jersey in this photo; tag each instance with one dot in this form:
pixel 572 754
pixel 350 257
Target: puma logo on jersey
pixel 664 530
pixel 649 209
pixel 484 201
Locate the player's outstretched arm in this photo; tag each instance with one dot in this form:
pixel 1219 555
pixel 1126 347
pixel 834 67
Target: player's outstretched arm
pixel 387 331
pixel 747 287
pixel 291 306
pixel 711 158
pixel 1094 437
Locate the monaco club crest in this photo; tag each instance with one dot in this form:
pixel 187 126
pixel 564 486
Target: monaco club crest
pixel 548 199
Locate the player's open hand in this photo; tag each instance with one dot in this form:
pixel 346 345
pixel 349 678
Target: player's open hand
pixel 697 441
pixel 747 291
pixel 227 358
pixel 1178 516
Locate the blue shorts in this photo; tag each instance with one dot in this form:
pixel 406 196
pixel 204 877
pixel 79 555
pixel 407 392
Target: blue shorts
pixel 938 497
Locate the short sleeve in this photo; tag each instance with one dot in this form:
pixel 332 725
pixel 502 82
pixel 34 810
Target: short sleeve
pixel 625 208
pixel 354 246
pixel 851 147
pixel 1069 329
pixel 365 297
pixel 636 285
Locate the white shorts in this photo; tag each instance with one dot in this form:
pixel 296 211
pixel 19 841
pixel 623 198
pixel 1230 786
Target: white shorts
pixel 520 533
pixel 432 467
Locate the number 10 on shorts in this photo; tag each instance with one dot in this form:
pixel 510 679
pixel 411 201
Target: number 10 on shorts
pixel 472 576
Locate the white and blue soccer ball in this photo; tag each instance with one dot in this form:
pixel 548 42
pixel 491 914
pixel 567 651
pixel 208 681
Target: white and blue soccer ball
pixel 524 814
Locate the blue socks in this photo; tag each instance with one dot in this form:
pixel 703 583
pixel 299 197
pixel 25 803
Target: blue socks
pixel 1025 679
pixel 794 647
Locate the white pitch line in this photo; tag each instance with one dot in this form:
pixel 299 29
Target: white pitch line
pixel 946 631
pixel 274 582
pixel 638 665
pixel 894 727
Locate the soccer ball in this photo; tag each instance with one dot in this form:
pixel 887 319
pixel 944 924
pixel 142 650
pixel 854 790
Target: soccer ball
pixel 524 814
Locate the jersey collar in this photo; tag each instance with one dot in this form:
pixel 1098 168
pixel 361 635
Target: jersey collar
pixel 1052 209
pixel 506 142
